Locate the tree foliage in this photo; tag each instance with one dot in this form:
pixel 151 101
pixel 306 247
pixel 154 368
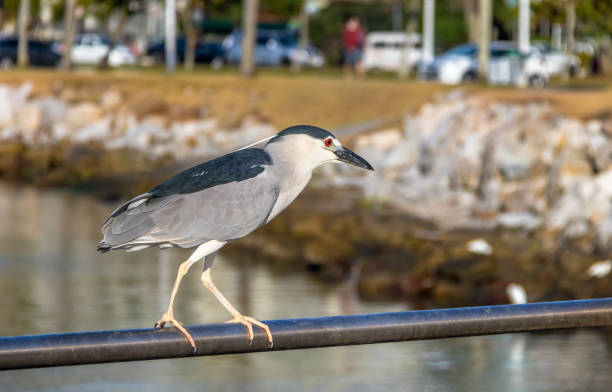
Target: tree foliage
pixel 593 17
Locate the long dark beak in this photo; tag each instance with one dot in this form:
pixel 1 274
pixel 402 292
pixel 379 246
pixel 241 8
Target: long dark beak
pixel 346 155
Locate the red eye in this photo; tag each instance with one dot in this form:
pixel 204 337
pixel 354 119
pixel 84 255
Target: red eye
pixel 328 142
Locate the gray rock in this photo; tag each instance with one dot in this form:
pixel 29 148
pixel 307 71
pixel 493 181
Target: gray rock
pixel 519 220
pixel 82 114
pixel 95 131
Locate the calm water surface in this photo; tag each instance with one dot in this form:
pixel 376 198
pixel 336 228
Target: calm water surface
pixel 52 280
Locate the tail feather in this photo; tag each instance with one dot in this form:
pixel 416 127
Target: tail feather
pixel 103 247
pixel 132 225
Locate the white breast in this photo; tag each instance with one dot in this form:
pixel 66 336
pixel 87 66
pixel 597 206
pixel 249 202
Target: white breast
pixel 288 192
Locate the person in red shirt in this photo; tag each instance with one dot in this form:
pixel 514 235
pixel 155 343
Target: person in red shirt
pixel 352 40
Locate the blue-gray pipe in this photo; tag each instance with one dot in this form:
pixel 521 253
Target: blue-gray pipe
pixel 141 344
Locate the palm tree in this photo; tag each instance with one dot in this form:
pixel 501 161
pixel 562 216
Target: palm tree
pixel 570 18
pixel 24 20
pixel 470 14
pixel 249 32
pixel 191 35
pixel 68 33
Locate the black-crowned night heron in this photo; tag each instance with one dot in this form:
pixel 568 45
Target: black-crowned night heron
pixel 222 200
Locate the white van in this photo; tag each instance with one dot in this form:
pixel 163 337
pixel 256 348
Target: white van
pixel 383 50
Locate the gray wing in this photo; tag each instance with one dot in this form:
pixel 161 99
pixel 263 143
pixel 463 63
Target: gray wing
pixel 223 212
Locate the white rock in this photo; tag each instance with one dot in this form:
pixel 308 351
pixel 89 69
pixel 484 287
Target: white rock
pixel 141 136
pixel 403 154
pixel 480 246
pixel 82 114
pixel 382 140
pixel 6 107
pixel 567 209
pixel 519 220
pixel 95 131
pixel 600 269
pixel 60 131
pixel 110 99
pixel 516 293
pixel 29 118
pixel 8 133
pixel 52 109
pixel 515 160
pixel 199 130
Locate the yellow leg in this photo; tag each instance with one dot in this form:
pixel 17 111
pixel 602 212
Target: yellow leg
pixel 207 248
pixel 248 322
pixel 168 317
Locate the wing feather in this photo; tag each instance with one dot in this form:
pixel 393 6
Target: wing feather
pixel 222 199
pixel 223 212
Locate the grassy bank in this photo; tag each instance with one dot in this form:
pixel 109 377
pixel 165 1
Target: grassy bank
pixel 281 99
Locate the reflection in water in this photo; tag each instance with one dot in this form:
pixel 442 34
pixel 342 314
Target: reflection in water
pixel 52 280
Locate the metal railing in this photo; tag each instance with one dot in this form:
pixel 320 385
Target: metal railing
pixel 141 344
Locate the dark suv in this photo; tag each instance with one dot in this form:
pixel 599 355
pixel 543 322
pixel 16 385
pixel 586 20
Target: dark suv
pixel 43 53
pixel 205 52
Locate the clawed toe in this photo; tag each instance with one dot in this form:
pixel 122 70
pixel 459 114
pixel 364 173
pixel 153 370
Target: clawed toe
pixel 168 319
pixel 159 324
pixel 248 323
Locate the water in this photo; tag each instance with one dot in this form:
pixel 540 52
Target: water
pixel 52 280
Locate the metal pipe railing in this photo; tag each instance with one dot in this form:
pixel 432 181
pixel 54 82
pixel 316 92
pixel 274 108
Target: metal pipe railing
pixel 142 344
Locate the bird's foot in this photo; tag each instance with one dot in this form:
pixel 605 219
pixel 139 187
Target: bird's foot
pixel 169 318
pixel 248 324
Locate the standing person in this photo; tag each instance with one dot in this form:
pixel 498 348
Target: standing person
pixel 352 39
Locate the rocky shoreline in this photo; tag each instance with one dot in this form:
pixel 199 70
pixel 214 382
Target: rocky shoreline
pixel 470 198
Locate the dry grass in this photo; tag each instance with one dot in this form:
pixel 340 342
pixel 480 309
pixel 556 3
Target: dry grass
pixel 281 99
pixel 581 99
pixel 285 99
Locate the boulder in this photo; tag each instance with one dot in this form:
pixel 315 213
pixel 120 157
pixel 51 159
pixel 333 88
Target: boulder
pixel 29 118
pixel 383 140
pixel 110 100
pixel 82 114
pixel 95 131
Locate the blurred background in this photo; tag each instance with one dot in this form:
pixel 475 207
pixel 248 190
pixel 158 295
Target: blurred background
pixel 489 124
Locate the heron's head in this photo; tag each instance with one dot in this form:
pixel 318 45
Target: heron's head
pixel 312 146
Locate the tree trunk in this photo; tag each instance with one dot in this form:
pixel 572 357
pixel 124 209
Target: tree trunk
pixel 303 42
pixel 524 29
pixel 45 18
pixel 429 16
pixel 411 27
pixel 170 35
pixel 570 22
pixel 470 14
pixel 68 33
pixel 24 20
pixel 486 19
pixel 249 29
pixel 114 33
pixel 191 37
pixel 397 15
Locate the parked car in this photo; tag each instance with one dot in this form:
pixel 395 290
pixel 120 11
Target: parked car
pixel 41 53
pixel 205 52
pixel 273 48
pixel 584 48
pixel 455 66
pixel 507 65
pixel 92 48
pixel 384 50
pixel 311 56
pixel 558 63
